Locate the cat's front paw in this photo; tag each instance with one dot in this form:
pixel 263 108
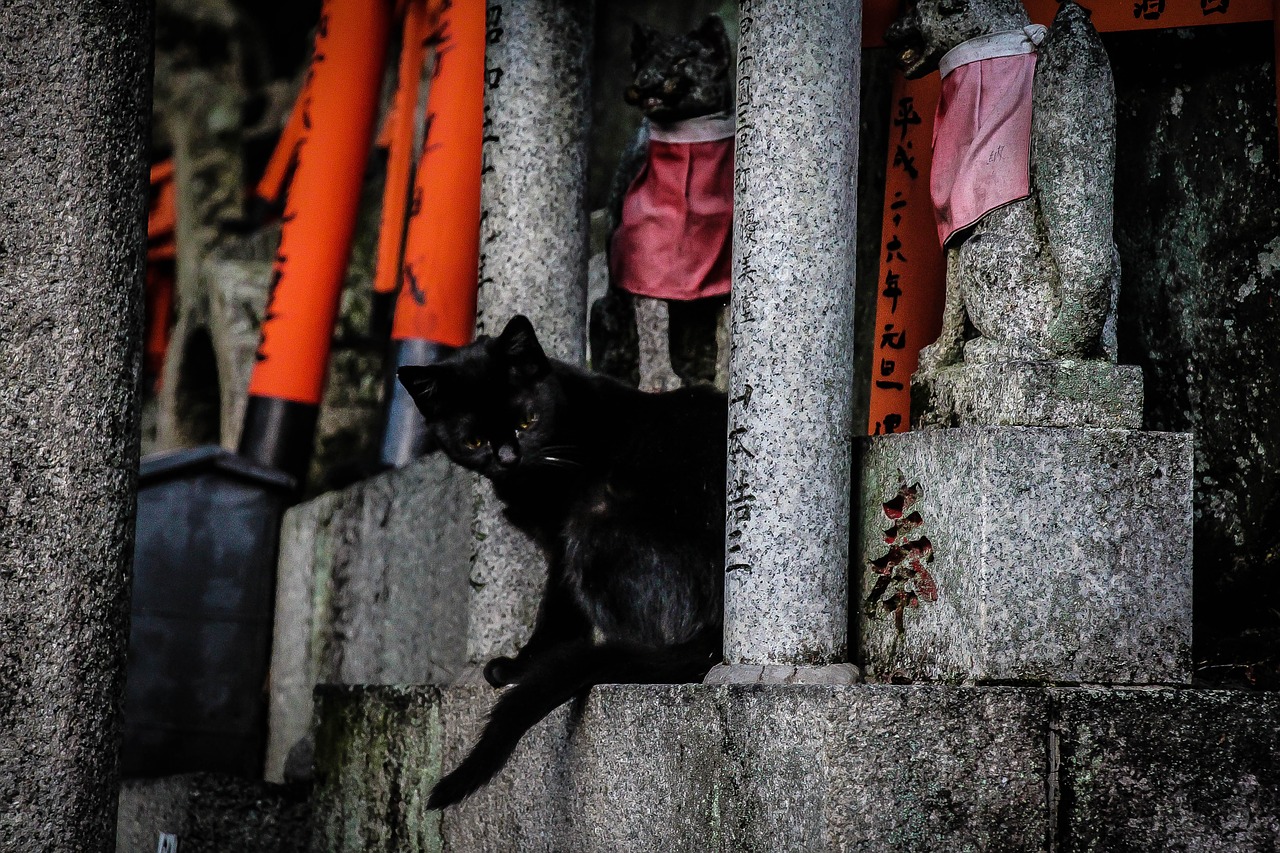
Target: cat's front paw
pixel 502 671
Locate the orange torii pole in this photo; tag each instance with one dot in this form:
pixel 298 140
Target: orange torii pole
pixel 162 220
pixel 337 116
pixel 271 185
pixel 436 308
pixel 912 271
pixel 399 137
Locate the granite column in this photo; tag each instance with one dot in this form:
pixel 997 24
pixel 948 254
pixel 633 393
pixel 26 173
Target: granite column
pixel 75 99
pixel 790 415
pixel 533 256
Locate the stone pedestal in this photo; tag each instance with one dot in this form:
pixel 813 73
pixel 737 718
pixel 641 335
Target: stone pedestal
pixel 991 554
pixel 870 768
pixel 1030 393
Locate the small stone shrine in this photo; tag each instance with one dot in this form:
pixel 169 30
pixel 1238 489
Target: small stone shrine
pixel 1028 530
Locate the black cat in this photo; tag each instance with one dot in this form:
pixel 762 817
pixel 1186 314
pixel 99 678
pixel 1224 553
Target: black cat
pixel 624 491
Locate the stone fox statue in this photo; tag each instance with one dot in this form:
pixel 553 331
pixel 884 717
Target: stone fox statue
pixel 624 492
pixel 671 204
pixel 1035 278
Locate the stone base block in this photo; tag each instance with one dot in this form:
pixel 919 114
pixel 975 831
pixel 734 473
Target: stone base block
pixel 371 589
pixel 1030 393
pixel 1160 770
pixel 811 768
pixel 693 768
pixel 999 554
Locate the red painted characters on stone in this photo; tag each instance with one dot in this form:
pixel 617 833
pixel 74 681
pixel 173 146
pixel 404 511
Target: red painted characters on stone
pixel 902 579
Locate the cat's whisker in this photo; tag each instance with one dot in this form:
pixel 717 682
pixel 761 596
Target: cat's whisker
pixel 555 460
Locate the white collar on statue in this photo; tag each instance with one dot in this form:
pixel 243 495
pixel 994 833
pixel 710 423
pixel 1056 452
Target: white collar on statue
pixel 1012 43
pixel 701 129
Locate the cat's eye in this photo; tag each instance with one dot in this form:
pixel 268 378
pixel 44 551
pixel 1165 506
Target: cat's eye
pixel 473 443
pixel 527 421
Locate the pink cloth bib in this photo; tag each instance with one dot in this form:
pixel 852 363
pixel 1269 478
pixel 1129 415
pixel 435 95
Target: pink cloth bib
pixel 982 133
pixel 675 238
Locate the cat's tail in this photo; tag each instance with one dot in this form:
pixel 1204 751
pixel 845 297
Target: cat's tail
pixel 554 678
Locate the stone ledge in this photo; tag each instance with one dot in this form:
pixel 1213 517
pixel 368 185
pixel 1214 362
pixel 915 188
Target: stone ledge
pixel 214 813
pixel 800 767
pixel 1158 770
pixel 1095 394
pixel 694 767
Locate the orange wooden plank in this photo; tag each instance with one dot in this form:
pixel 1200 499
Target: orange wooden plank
pixel 1111 16
pixel 337 115
pixel 399 132
pixel 912 268
pixel 1108 15
pixel 437 300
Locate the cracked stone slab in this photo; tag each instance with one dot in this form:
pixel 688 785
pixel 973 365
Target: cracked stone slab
pixel 1026 554
pixel 694 768
pixel 1030 393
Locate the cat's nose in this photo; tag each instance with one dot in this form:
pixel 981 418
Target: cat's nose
pixel 508 455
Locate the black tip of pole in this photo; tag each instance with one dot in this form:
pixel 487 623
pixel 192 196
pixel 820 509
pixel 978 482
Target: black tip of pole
pixel 279 434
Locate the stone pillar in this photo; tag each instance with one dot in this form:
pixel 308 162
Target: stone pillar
pixel 533 255
pixel 74 107
pixel 790 386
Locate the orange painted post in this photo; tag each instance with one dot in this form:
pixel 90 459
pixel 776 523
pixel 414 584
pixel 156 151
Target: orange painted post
pixel 436 308
pixel 271 184
pixel 399 137
pixel 912 268
pixel 162 220
pixel 337 116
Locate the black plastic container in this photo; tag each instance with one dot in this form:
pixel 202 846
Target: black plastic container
pixel 204 582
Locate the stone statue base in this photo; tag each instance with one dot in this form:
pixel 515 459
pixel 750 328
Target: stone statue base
pixel 1016 554
pixel 1029 393
pixel 746 673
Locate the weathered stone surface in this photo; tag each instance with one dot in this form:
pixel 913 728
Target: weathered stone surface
pixel 236 276
pixel 199 101
pixel 371 590
pixel 1198 214
pixel 533 258
pixel 1000 553
pixel 75 91
pixel 689 767
pixel 1030 393
pixel 208 813
pixel 1168 770
pixel 751 673
pixel 791 366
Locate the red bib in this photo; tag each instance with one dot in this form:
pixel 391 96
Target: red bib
pixel 675 238
pixel 982 133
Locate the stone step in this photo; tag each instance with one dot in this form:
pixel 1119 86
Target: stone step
pixel 809 768
pixel 371 589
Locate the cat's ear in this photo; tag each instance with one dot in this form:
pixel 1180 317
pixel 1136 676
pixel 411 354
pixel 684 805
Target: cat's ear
pixel 712 34
pixel 519 346
pixel 642 39
pixel 423 382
